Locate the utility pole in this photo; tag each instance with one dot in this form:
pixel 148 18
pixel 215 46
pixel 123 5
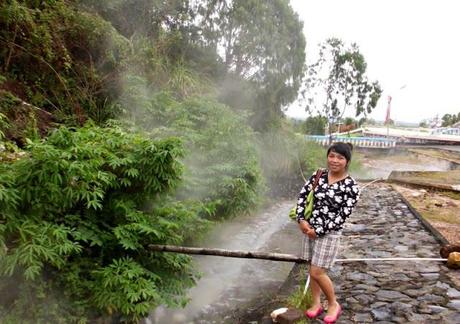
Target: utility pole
pixel 330 121
pixel 387 117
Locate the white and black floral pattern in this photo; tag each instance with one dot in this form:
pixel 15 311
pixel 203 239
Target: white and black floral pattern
pixel 333 204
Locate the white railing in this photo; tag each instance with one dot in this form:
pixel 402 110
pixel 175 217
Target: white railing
pixel 369 142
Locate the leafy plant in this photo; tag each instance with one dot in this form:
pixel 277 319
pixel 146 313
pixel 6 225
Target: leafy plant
pixel 78 213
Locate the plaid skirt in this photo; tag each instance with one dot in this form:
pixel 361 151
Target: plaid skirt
pixel 322 251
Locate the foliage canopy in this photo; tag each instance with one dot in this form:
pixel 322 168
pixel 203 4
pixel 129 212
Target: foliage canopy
pixel 337 81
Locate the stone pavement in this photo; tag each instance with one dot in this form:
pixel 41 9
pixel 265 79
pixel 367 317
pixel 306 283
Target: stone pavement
pixel 399 291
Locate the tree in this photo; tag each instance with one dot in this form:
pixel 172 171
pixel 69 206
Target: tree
pixel 262 42
pixel 315 125
pixel 338 81
pixel 423 124
pixel 449 120
pixel 362 121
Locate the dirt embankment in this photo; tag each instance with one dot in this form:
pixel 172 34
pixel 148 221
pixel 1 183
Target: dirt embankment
pixel 439 208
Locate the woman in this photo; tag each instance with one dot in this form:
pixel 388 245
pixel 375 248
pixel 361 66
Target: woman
pixel 335 196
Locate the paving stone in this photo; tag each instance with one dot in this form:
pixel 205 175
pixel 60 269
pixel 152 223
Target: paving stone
pixel 454 304
pixel 442 285
pixel 363 318
pixel 381 313
pixel 414 292
pixel 399 292
pixel 430 276
pixel 367 288
pixel 416 318
pixel 437 309
pixel 390 295
pixel 451 317
pixel 453 293
pixel 432 298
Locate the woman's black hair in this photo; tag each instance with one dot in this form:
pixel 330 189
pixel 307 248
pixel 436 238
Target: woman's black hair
pixel 342 148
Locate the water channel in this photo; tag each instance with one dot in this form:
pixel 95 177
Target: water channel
pixel 230 284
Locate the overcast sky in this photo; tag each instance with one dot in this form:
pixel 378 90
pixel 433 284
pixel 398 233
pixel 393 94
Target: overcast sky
pixel 405 42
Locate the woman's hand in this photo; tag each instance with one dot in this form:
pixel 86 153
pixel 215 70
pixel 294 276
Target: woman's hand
pixel 311 233
pixel 307 230
pixel 304 227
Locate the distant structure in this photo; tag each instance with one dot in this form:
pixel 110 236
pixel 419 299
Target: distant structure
pixel 435 122
pixel 451 130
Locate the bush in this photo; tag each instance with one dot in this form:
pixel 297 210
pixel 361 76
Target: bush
pixel 285 157
pixel 76 217
pixel 221 162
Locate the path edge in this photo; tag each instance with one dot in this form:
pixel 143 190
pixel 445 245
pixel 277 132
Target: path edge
pixel 438 236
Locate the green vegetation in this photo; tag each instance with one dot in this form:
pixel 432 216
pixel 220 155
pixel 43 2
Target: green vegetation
pixel 131 122
pixel 78 213
pixel 315 125
pixel 300 300
pixel 450 119
pixel 339 79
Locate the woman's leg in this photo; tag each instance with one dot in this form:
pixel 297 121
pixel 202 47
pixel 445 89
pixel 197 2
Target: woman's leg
pixel 316 295
pixel 319 275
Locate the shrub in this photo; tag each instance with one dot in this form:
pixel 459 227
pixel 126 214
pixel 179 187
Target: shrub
pixel 77 215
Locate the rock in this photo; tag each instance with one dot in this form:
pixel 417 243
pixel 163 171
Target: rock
pixel 432 298
pixel 453 261
pixel 413 292
pixel 367 288
pixel 430 268
pixel 399 320
pixel 450 318
pixel 454 304
pixel 453 293
pixel 436 309
pixel 364 298
pixel 425 310
pixel 450 203
pixel 390 295
pixel 378 304
pixel 381 313
pixel 290 316
pixel 430 276
pixel 363 318
pixel 401 248
pixel 442 285
pixel 416 318
pixel 351 300
pixel 448 248
pixel 361 277
pixel 400 308
pixel 400 277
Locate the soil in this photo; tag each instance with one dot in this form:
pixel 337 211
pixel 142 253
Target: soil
pixel 438 207
pixel 449 180
pixel 439 154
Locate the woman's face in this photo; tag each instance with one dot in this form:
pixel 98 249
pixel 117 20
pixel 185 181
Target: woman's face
pixel 336 162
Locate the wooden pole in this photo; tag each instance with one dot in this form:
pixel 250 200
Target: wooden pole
pixel 272 256
pixel 228 253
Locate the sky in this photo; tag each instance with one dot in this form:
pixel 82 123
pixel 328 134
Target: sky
pixel 407 44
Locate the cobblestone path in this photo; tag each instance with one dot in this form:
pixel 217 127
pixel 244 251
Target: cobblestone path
pixel 392 292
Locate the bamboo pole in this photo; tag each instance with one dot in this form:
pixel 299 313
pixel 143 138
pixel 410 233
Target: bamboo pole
pixel 267 255
pixel 228 253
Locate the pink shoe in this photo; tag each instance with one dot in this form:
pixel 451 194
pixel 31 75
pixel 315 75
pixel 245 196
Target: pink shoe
pixel 332 319
pixel 313 314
